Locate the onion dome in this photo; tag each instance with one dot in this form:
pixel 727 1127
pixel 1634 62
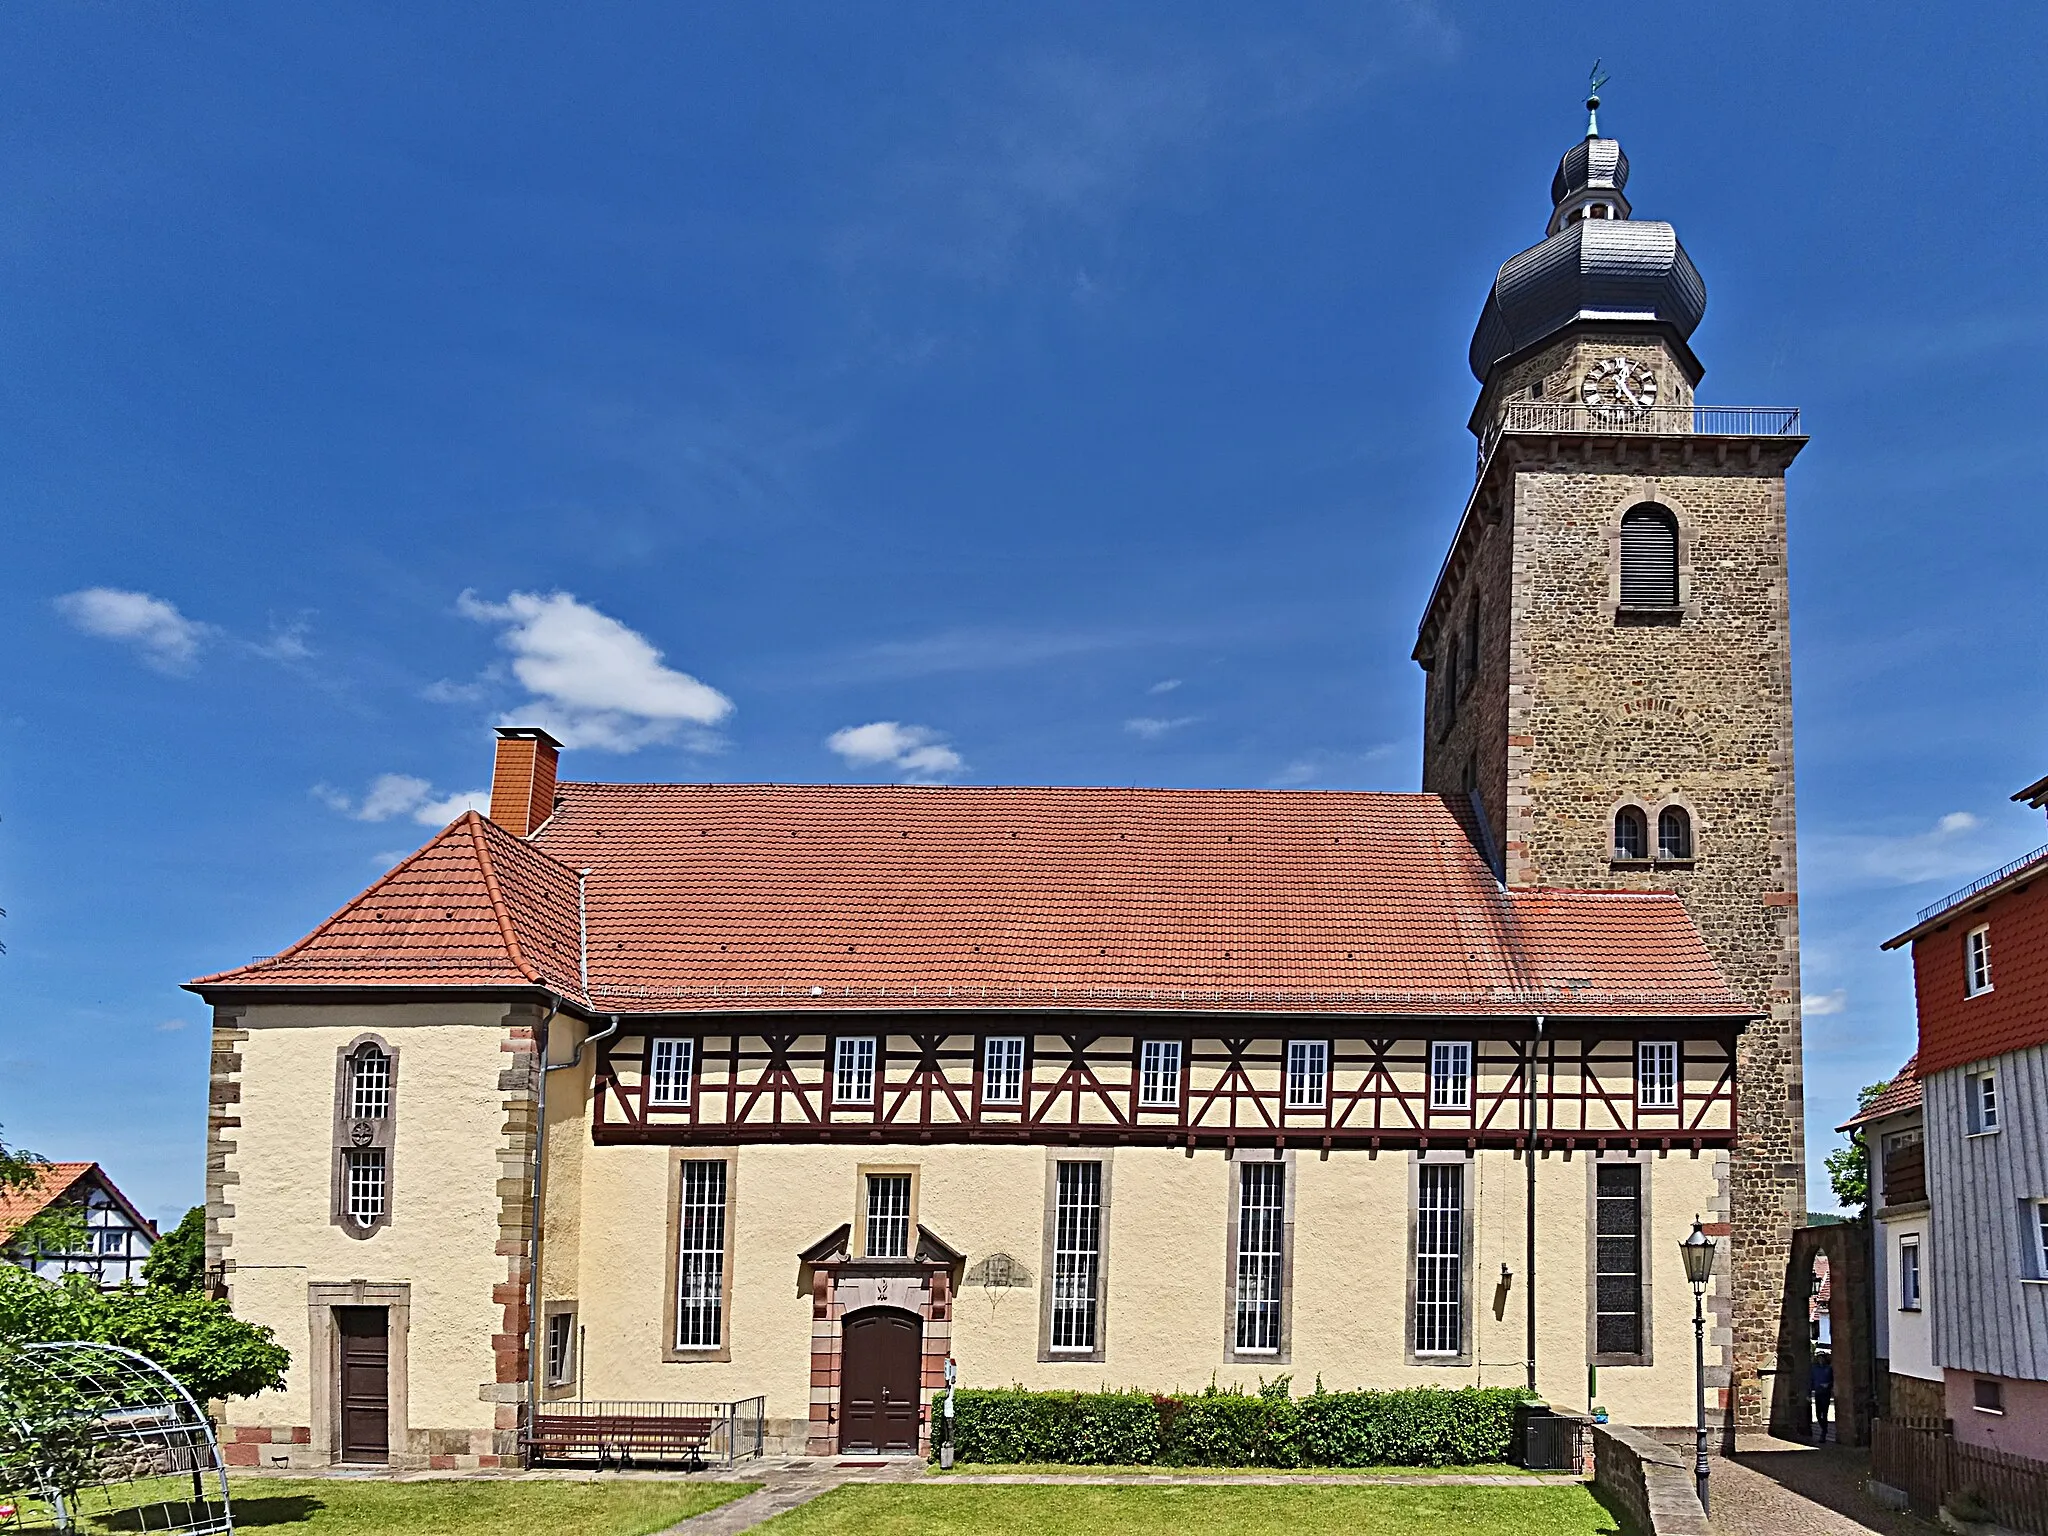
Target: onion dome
pixel 1598 264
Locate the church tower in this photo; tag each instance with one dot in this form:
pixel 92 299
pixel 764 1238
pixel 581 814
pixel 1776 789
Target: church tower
pixel 1607 655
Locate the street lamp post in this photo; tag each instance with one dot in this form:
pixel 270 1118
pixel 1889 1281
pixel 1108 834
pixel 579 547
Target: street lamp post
pixel 1698 1252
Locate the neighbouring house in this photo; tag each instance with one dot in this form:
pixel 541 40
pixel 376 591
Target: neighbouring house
pixel 703 1092
pixel 116 1236
pixel 1980 980
pixel 1909 1383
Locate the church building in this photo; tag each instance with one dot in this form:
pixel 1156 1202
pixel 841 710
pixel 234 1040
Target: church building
pixel 689 1093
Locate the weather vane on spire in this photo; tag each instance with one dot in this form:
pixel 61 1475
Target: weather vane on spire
pixel 1594 80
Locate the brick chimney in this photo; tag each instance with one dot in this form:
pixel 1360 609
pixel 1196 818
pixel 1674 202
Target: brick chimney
pixel 523 783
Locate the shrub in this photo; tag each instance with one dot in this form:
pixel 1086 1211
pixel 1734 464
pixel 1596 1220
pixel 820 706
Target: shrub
pixel 1083 1428
pixel 1230 1428
pixel 1415 1427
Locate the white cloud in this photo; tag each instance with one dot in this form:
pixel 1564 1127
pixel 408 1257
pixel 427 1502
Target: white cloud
pixel 1152 727
pixel 918 753
pixel 391 795
pixel 167 640
pixel 286 642
pixel 595 683
pixel 172 1024
pixel 1820 1004
pixel 1164 685
pixel 1333 770
pixel 1958 846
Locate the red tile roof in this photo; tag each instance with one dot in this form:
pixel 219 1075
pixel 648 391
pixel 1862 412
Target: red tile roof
pixel 722 897
pixel 53 1182
pixel 1901 1093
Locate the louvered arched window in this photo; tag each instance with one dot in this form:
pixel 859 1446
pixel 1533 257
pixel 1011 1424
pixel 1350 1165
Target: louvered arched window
pixel 1631 834
pixel 1649 558
pixel 1674 833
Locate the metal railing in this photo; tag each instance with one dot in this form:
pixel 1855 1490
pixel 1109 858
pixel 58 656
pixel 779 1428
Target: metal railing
pixel 1957 898
pixel 1658 421
pixel 736 1429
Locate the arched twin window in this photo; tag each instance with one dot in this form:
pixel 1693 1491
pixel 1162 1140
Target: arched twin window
pixel 1649 558
pixel 1632 835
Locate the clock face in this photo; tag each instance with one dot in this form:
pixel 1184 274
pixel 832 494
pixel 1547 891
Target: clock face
pixel 1619 387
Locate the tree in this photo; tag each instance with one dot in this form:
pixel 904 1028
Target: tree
pixel 1849 1164
pixel 178 1261
pixel 213 1353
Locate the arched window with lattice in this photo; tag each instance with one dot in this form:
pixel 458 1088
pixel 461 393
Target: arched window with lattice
pixel 365 1119
pixel 1631 834
pixel 1674 833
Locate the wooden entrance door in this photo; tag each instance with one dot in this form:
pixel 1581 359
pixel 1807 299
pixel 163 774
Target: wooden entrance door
pixel 880 1369
pixel 365 1382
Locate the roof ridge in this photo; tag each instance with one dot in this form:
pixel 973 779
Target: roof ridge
pixel 1058 789
pixel 497 896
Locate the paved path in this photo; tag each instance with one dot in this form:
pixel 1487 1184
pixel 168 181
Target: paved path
pixel 785 1485
pixel 1788 1488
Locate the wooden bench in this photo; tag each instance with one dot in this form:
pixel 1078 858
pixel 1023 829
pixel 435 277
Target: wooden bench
pixel 617 1438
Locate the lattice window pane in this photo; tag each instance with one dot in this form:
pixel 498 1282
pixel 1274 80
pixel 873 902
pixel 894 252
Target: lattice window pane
pixel 1076 1254
pixel 1308 1070
pixel 1261 1234
pixel 853 1075
pixel 1978 950
pixel 1631 834
pixel 1674 833
pixel 1002 1072
pixel 1618 1260
pixel 888 1215
pixel 700 1257
pixel 363 1188
pixel 1450 1074
pixel 1159 1074
pixel 369 1084
pixel 1657 1074
pixel 1440 1259
pixel 669 1071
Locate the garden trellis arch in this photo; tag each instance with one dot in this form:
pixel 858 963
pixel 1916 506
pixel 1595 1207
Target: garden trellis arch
pixel 94 1433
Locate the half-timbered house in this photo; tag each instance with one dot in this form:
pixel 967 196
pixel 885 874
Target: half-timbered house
pixel 676 1092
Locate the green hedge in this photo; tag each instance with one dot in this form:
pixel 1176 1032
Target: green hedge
pixel 1416 1427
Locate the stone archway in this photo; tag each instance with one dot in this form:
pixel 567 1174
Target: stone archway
pixel 1839 1255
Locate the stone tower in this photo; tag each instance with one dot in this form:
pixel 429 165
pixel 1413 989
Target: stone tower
pixel 1608 654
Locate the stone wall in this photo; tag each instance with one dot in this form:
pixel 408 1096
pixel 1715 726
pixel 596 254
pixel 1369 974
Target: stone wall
pixel 1647 1481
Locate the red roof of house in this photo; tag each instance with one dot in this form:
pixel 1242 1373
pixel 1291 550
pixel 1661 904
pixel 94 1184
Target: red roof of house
pixel 773 896
pixel 52 1183
pixel 1901 1093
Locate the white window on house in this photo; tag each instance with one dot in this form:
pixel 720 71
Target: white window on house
pixel 1450 1074
pixel 1440 1259
pixel 369 1084
pixel 1261 1255
pixel 1657 1074
pixel 700 1257
pixel 1159 1074
pixel 888 1216
pixel 2035 1237
pixel 669 1070
pixel 561 1347
pixel 1308 1073
pixel 1002 1070
pixel 853 1072
pixel 1076 1254
pixel 363 1184
pixel 1909 1274
pixel 1977 960
pixel 1983 1105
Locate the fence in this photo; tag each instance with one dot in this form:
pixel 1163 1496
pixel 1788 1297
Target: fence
pixel 1920 1457
pixel 724 1431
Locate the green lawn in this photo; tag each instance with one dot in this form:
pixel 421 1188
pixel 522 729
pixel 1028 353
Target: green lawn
pixel 469 1507
pixel 1057 1469
pixel 882 1509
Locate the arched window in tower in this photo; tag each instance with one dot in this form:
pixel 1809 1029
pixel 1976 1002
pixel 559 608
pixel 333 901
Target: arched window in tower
pixel 1631 834
pixel 1674 833
pixel 1472 642
pixel 1649 558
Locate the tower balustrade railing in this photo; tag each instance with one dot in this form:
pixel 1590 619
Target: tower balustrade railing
pixel 1569 419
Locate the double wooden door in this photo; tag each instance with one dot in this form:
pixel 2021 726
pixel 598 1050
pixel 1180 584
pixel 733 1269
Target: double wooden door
pixel 880 1380
pixel 365 1334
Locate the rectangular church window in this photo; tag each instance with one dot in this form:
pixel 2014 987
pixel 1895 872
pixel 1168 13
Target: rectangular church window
pixel 853 1071
pixel 668 1077
pixel 1076 1254
pixel 1450 1074
pixel 1308 1071
pixel 1618 1259
pixel 888 1216
pixel 700 1257
pixel 363 1190
pixel 1159 1074
pixel 1657 1074
pixel 1440 1259
pixel 1261 1255
pixel 1002 1070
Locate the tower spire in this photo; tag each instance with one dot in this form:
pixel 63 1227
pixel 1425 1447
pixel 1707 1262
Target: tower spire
pixel 1594 80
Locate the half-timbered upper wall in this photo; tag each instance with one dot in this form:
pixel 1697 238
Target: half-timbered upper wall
pixel 931 1083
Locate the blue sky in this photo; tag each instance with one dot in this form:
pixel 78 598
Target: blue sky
pixel 1081 388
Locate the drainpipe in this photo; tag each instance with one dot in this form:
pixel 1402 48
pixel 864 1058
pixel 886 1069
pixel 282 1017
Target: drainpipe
pixel 533 1242
pixel 1529 1239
